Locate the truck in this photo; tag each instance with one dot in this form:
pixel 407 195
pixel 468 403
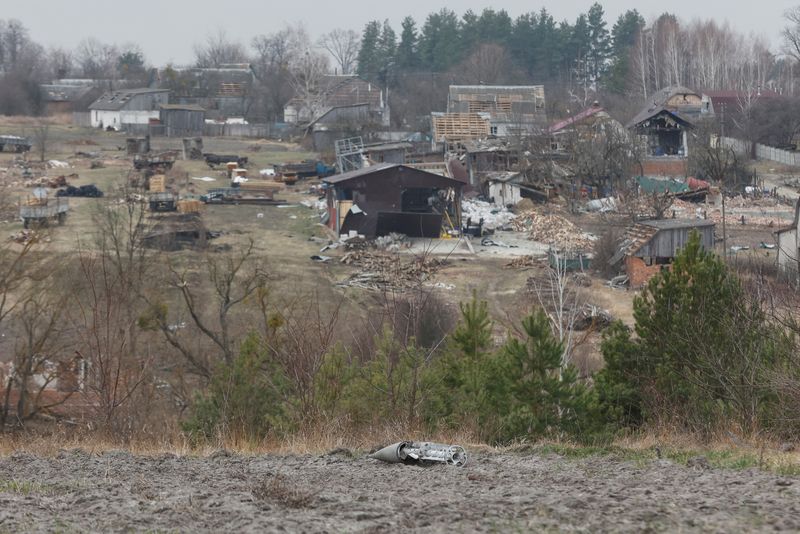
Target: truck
pixel 41 212
pixel 212 160
pixel 236 195
pixel 15 143
pixel 155 162
pixel 291 172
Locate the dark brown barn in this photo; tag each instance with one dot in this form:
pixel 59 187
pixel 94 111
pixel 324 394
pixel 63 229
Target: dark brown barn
pixel 385 198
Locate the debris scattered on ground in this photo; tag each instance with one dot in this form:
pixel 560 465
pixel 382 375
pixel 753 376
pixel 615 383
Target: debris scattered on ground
pixel 320 259
pixel 23 237
pixel 392 242
pixel 89 190
pixel 380 271
pixel 602 205
pixel 423 453
pixel 204 178
pixel 489 242
pixel 591 317
pixel 522 262
pixel 56 164
pixel 618 282
pixel 493 217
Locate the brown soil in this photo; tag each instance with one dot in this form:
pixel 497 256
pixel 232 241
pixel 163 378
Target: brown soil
pixel 117 491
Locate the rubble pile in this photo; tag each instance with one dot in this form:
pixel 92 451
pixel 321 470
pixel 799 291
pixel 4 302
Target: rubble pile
pixel 493 217
pixel 554 230
pixel 386 272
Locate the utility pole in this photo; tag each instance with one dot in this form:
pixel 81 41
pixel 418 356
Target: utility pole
pixel 722 183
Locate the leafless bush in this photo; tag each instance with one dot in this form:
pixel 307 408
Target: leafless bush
pixel 279 489
pixel 604 249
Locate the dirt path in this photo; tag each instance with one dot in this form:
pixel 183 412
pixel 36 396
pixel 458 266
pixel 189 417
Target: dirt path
pixel 116 491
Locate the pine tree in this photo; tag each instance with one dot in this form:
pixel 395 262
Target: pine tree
pixel 407 52
pixel 599 42
pixel 539 397
pixel 623 38
pixel 369 53
pixel 439 42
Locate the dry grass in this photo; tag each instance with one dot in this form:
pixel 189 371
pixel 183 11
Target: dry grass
pixel 62 119
pixel 724 451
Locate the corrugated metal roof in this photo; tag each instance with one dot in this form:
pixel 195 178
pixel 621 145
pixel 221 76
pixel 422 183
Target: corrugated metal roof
pixel 116 100
pixel 373 169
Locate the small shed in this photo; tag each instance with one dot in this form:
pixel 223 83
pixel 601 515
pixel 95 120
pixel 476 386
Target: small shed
pixel 386 198
pixel 182 120
pixel 650 246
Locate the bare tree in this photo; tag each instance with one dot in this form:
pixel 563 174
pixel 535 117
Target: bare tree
pixel 218 50
pixel 561 301
pixel 307 77
pixel 233 279
pixel 37 328
pixel 343 46
pixel 791 32
pixel 97 60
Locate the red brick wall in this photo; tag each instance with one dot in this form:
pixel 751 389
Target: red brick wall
pixel 677 167
pixel 639 273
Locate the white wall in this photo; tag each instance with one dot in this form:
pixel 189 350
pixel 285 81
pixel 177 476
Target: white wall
pixel 504 194
pixel 105 118
pixel 788 251
pixel 138 117
pixel 117 119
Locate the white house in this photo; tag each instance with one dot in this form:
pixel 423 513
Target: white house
pixel 127 106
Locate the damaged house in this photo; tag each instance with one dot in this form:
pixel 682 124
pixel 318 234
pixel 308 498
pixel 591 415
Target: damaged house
pixel 385 198
pixel 483 111
pixel 663 127
pixel 348 93
pixel 650 246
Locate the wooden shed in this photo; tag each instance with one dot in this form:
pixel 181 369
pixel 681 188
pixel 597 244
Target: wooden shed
pixel 182 120
pixel 650 246
pixel 386 198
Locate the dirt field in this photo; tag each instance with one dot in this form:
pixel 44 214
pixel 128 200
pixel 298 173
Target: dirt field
pixel 520 492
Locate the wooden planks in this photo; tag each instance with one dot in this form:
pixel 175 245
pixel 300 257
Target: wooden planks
pixel 460 127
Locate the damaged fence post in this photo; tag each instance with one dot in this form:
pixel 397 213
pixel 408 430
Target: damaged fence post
pixel 409 452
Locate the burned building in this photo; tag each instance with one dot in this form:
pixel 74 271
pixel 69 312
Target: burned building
pixel 386 198
pixel 663 127
pixel 650 246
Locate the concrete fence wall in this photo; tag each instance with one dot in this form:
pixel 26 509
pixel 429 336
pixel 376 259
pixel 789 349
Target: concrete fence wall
pixel 765 152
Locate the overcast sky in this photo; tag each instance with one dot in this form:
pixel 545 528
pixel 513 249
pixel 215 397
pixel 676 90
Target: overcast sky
pixel 167 29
